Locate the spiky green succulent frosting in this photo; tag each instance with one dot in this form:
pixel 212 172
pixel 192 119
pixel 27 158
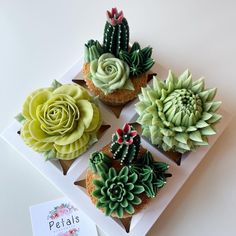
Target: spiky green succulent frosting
pixel 60 121
pixel 99 162
pixel 178 114
pixel 151 174
pixel 92 50
pixel 110 74
pixel 139 60
pixel 125 144
pixel 117 193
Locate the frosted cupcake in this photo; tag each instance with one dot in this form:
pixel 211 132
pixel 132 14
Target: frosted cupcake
pixel 60 121
pixel 113 71
pixel 123 177
pixel 178 114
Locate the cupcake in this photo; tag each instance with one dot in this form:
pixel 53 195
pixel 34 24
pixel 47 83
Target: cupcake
pixel 123 177
pixel 178 114
pixel 114 71
pixel 60 121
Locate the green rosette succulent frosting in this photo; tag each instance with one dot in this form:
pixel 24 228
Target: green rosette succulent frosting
pixel 60 121
pixel 151 174
pixel 109 74
pixel 117 193
pixel 125 144
pixel 99 162
pixel 178 114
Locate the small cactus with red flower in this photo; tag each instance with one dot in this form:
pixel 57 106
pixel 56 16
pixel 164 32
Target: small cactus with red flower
pixel 116 33
pixel 125 144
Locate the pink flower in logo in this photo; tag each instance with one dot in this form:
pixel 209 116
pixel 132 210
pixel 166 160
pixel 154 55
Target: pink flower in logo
pixel 71 232
pixel 63 211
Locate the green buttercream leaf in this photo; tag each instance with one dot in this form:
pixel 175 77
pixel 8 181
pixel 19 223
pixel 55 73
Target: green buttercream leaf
pixel 138 189
pixel 215 106
pixel 182 137
pixel 208 131
pixel 201 124
pixel 215 118
pixel 20 118
pixel 50 155
pixel 55 84
pixel 196 136
pixel 128 85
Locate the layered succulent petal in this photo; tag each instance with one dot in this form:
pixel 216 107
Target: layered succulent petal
pixel 117 193
pixel 178 114
pixel 60 121
pixel 110 74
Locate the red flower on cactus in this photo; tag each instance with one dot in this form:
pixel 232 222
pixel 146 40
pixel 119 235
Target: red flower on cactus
pixel 114 17
pixel 126 135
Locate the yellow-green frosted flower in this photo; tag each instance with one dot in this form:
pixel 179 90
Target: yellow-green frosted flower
pixel 178 114
pixel 60 121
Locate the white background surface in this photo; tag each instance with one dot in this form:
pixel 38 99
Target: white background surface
pixel 40 40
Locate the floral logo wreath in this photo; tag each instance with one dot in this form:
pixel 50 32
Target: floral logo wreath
pixel 59 211
pixel 71 232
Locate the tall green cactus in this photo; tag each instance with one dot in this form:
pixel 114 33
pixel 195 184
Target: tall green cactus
pixel 116 33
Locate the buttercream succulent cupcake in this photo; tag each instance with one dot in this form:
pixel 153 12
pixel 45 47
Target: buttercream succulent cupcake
pixel 114 71
pixel 178 114
pixel 123 177
pixel 60 121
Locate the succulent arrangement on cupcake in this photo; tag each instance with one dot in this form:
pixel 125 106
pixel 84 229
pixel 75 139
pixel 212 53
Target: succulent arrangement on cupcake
pixel 123 177
pixel 60 121
pixel 178 114
pixel 114 71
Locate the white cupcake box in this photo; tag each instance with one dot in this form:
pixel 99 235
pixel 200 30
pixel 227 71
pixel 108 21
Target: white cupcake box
pixel 141 222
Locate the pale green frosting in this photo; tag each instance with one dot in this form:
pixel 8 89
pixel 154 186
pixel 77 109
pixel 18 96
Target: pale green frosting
pixel 178 114
pixel 109 74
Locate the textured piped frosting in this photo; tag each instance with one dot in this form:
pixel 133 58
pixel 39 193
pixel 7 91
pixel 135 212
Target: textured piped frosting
pixel 125 144
pixel 109 74
pixel 178 114
pixel 119 190
pixel 60 121
pixel 99 162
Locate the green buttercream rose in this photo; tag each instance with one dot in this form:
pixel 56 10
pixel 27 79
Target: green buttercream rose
pixel 60 121
pixel 110 73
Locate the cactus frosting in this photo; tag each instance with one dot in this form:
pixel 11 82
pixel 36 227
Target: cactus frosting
pixel 151 174
pixel 116 33
pixel 92 50
pixel 125 144
pixel 99 162
pixel 139 60
pixel 178 114
pixel 117 193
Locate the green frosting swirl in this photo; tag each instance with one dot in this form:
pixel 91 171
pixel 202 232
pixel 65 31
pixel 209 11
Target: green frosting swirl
pixel 109 73
pixel 117 193
pixel 99 162
pixel 60 121
pixel 178 114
